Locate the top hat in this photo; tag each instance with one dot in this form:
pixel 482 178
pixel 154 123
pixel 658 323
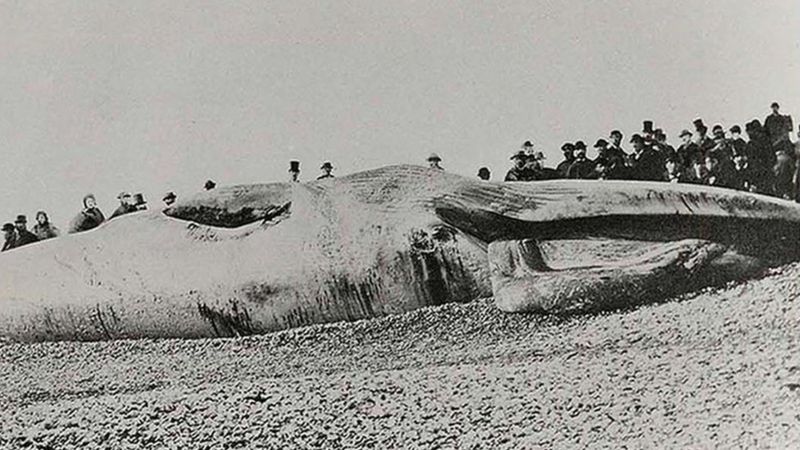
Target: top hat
pixel 434 157
pixel 138 200
pixel 647 126
pixel 21 219
pixel 326 165
pixel 294 166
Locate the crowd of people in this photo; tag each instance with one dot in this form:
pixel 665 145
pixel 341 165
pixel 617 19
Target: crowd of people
pixel 766 163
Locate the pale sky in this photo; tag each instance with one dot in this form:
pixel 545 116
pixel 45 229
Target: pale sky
pixel 151 96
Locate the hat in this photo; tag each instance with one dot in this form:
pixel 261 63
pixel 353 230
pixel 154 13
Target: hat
pixel 21 219
pixel 519 155
pixel 567 147
pixel 699 125
pixel 617 132
pixel 294 166
pixel 139 200
pixel 685 133
pixel 123 194
pixel 581 145
pixel 527 144
pixel 647 126
pixel 8 227
pixel 433 157
pixel 601 143
pixel 736 129
pixel 774 105
pixel 717 127
pixel 637 138
pixel 170 195
pixel 209 185
pixel 326 165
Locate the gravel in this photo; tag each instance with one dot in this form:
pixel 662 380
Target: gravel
pixel 718 368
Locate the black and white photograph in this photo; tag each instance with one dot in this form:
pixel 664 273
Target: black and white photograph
pixel 523 224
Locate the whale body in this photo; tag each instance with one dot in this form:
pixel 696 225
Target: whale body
pixel 257 258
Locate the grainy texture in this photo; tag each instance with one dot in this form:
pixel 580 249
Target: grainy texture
pixel 717 369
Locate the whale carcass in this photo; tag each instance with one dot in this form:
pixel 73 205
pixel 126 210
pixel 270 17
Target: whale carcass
pixel 251 259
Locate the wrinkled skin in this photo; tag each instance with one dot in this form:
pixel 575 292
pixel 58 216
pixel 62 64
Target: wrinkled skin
pixel 252 259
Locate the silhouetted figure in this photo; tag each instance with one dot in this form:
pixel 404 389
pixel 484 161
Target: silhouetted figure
pixel 737 144
pixel 125 205
pixel 645 163
pixel 139 202
pixel 568 151
pixel 777 126
pixel 581 167
pixel 10 235
pixel 484 174
pixel 434 162
pixel 91 217
pixel 24 237
pixel 517 172
pixel 689 152
pixel 209 185
pixel 294 171
pixel 169 198
pixel 749 176
pixel 326 168
pixel 43 228
pixel 702 140
pixel 719 174
pixel 610 162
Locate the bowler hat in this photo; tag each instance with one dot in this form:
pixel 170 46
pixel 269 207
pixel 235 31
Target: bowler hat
pixel 170 195
pixel 326 165
pixel 21 219
pixel 774 105
pixel 210 185
pixel 736 129
pixel 601 143
pixel 637 138
pixel 294 166
pixel 685 133
pixel 615 132
pixel 567 147
pixel 647 126
pixel 434 157
pixel 717 127
pixel 527 144
pixel 8 227
pixel 581 145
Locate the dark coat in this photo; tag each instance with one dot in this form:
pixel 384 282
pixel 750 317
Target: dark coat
pixel 25 237
pixel 582 168
pixel 760 150
pixel 45 231
pixel 721 176
pixel 783 177
pixel 646 165
pixel 122 210
pixel 86 220
pixel 563 167
pixel 777 127
pixel 515 174
pixel 689 153
pixel 751 178
pixel 10 242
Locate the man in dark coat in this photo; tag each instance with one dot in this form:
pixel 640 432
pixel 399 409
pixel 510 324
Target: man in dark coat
pixel 613 160
pixel 91 217
pixel 326 168
pixel 518 172
pixel 24 237
pixel 748 176
pixel 737 144
pixel 675 172
pixel 616 144
pixel 783 175
pixel 703 141
pixel 719 173
pixel 125 205
pixel 582 167
pixel 777 126
pixel 661 144
pixel 10 234
pixel 646 164
pixel 688 152
pixel 568 149
pixel 759 149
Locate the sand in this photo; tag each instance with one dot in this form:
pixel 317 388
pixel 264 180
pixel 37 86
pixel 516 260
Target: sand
pixel 720 368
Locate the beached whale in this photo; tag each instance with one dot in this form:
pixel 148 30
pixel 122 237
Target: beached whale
pixel 252 259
